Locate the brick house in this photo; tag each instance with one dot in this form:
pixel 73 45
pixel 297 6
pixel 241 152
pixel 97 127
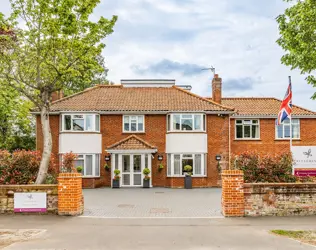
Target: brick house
pixel 152 123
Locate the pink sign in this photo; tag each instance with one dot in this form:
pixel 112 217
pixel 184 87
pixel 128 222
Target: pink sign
pixel 309 172
pixel 30 210
pixel 30 202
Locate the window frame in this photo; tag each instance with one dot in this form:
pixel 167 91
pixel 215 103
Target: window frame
pixel 170 119
pixel 251 125
pixel 129 123
pixel 94 124
pixel 170 169
pixel 288 125
pixel 94 162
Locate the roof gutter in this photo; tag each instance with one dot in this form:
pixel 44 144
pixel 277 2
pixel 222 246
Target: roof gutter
pixel 269 116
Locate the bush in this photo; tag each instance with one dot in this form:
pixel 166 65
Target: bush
pixel 21 167
pixel 68 165
pixel 266 168
pixel 146 172
pixel 117 174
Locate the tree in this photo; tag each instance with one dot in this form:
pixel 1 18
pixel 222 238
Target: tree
pixel 56 45
pixel 16 123
pixel 297 28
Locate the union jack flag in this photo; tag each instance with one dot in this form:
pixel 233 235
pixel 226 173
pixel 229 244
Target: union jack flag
pixel 286 106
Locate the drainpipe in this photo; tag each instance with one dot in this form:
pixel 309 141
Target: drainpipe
pixel 229 142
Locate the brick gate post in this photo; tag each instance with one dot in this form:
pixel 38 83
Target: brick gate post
pixel 233 204
pixel 70 200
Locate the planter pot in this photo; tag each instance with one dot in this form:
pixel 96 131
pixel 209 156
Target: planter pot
pixel 146 183
pixel 188 182
pixel 116 184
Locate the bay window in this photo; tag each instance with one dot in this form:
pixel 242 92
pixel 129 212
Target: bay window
pixel 90 164
pixel 283 130
pixel 247 129
pixel 177 162
pixel 81 122
pixel 186 122
pixel 133 123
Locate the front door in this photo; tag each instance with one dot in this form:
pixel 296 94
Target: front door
pixel 132 170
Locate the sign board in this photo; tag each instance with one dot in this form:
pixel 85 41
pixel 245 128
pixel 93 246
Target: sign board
pixel 305 159
pixel 30 202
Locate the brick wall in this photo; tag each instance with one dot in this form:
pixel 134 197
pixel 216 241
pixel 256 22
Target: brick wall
pixel 7 196
pixel 268 144
pixel 280 199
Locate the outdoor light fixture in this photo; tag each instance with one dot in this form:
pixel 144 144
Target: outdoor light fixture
pixel 160 157
pixel 107 158
pixel 218 157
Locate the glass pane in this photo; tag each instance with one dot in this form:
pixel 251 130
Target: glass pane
pixel 246 131
pixel 126 163
pixel 239 121
pixel 247 121
pixel 169 164
pixel 137 179
pixel 198 165
pixel 133 126
pixel 81 164
pixel 89 122
pixel 279 131
pixel 176 122
pixel 197 122
pixel 168 123
pixel 205 163
pixel 295 121
pixel 97 123
pixel 126 179
pixel 140 126
pixel 186 116
pixel 286 131
pixel 146 161
pixel 286 121
pixel 204 123
pixel 254 121
pixel 295 131
pixel 239 131
pixel 187 156
pixel 78 124
pixel 140 119
pixel 78 116
pixel 67 122
pixel 116 160
pixel 137 163
pixel 187 124
pixel 88 164
pixel 176 170
pixel 187 162
pixel 255 131
pixel 97 165
pixel 126 123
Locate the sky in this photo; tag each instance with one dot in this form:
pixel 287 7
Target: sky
pixel 175 39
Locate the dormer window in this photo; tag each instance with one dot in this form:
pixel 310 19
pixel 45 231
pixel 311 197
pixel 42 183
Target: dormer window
pixel 81 122
pixel 186 122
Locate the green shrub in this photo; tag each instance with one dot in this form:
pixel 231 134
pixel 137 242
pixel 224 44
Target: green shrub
pixel 188 169
pixel 79 169
pixel 117 174
pixel 146 172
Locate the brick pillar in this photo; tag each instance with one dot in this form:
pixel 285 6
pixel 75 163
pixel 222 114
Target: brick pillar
pixel 233 204
pixel 70 200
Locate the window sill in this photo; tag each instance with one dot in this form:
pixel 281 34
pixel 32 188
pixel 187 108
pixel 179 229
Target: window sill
pixel 134 132
pixel 247 139
pixel 187 132
pixel 182 176
pixel 90 177
pixel 288 139
pixel 80 132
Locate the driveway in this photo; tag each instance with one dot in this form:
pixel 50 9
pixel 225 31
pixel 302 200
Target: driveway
pixel 152 203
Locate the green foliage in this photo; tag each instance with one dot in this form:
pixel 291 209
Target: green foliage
pixel 21 167
pixel 160 167
pixel 117 174
pixel 297 28
pixel 107 167
pixel 79 169
pixel 188 169
pixel 16 123
pixel 266 168
pixel 146 172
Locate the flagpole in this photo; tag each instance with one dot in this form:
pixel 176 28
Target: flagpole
pixel 291 135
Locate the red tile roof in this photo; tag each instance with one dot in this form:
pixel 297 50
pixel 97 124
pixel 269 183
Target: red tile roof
pixel 131 142
pixel 261 106
pixel 116 98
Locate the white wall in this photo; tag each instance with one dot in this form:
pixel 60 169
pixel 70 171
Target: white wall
pixel 186 143
pixel 80 143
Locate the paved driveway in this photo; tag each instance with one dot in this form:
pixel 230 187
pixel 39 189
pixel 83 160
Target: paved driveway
pixel 152 203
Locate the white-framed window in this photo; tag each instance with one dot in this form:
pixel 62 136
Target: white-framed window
pixel 90 164
pixel 186 122
pixel 282 131
pixel 81 122
pixel 247 129
pixel 176 163
pixel 133 123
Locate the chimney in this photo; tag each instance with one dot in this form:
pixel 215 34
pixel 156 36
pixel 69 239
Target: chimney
pixel 217 89
pixel 57 95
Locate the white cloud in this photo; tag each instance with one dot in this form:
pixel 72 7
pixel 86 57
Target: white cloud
pixel 237 37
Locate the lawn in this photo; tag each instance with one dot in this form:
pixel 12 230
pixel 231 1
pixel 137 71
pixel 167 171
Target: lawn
pixel 303 236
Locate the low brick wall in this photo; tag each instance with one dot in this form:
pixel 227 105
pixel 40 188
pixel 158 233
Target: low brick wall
pixel 7 196
pixel 280 199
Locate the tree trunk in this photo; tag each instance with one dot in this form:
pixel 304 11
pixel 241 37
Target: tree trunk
pixel 47 143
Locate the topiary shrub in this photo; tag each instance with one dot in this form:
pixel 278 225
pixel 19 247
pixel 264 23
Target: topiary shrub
pixel 21 167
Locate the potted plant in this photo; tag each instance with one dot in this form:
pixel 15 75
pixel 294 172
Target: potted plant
pixel 160 167
pixel 107 167
pixel 116 179
pixel 146 182
pixel 79 169
pixel 188 177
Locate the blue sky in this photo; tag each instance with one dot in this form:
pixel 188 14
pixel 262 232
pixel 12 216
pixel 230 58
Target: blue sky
pixel 176 38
